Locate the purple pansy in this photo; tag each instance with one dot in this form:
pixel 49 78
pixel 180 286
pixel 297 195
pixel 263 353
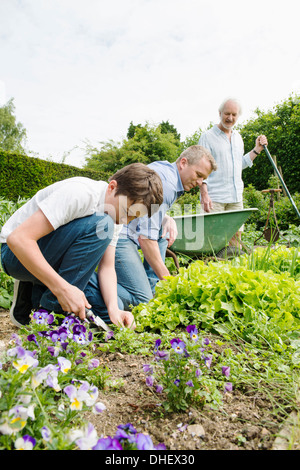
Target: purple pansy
pixel 226 371
pixel 149 381
pixel 189 383
pixel 193 332
pixel 161 355
pixel 43 317
pixel 228 387
pixel 108 443
pixel 178 345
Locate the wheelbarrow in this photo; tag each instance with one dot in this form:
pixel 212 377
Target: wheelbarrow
pixel 207 233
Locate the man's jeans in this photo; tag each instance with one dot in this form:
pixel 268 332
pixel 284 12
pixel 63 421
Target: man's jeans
pixel 73 250
pixel 136 279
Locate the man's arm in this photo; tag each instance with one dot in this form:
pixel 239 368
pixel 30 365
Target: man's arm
pixel 260 141
pixel 249 157
pixel 152 254
pixel 108 286
pixel 23 243
pixel 205 199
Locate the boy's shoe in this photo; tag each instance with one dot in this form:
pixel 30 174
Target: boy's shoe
pixel 21 306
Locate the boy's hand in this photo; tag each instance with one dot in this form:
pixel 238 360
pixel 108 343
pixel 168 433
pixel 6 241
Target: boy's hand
pixel 123 318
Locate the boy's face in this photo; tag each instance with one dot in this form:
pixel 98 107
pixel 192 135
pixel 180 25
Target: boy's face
pixel 121 208
pixel 128 210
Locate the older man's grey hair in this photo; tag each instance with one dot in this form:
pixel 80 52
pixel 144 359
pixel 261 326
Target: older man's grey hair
pixel 234 100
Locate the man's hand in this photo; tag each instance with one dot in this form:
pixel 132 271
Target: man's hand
pixel 169 226
pixel 260 142
pixel 206 201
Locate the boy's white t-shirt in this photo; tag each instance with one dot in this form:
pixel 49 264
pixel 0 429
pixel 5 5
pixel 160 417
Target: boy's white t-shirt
pixel 63 202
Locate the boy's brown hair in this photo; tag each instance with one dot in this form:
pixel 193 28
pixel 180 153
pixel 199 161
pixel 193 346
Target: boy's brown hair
pixel 141 184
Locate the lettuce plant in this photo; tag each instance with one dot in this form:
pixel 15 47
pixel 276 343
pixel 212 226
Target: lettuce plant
pixel 260 306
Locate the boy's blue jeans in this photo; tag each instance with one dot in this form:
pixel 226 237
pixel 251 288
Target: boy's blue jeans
pixel 73 250
pixel 136 279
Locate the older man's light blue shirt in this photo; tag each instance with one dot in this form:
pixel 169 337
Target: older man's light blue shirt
pixel 172 189
pixel 225 184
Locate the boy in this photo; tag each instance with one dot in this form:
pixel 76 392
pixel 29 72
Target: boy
pixel 53 243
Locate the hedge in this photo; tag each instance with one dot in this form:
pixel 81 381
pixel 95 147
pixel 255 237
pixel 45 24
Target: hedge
pixel 22 176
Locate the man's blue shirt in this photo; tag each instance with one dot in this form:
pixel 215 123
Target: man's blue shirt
pixel 172 189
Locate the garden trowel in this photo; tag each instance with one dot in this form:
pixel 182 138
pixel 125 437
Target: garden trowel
pixel 97 320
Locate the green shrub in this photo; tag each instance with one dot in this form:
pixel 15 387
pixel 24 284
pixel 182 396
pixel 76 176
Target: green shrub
pixel 281 125
pixel 22 176
pixel 285 213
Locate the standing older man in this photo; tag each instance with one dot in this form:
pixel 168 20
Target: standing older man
pixel 223 189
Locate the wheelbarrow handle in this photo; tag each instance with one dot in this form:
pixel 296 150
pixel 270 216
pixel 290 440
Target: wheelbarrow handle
pixel 281 179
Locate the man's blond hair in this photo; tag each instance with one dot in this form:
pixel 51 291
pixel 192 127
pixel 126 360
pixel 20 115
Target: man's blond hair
pixel 195 153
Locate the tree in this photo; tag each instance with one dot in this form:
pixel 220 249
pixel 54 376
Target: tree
pixel 12 133
pixel 167 128
pixel 132 129
pixel 281 125
pixel 147 144
pixel 106 158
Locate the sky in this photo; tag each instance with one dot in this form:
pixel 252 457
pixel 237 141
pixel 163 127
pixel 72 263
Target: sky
pixel 80 71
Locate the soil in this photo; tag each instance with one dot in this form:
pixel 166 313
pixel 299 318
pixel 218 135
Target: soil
pixel 244 422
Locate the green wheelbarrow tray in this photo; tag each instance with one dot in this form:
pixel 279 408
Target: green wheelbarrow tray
pixel 207 233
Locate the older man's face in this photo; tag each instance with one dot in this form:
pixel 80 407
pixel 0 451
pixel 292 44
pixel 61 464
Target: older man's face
pixel 229 115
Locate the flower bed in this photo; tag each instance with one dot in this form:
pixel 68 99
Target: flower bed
pixel 48 378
